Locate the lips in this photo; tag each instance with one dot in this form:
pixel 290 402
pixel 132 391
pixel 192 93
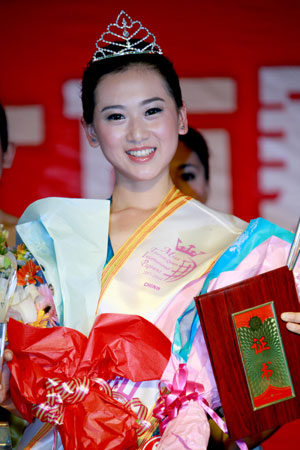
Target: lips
pixel 141 154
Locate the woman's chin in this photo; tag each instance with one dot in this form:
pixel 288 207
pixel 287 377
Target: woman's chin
pixel 142 176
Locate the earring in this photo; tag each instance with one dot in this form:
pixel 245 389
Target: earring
pixel 182 127
pixel 94 140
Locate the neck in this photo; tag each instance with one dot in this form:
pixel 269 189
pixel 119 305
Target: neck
pixel 144 195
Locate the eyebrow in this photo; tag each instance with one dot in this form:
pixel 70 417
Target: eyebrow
pixel 153 99
pixel 144 102
pixel 183 166
pixel 112 107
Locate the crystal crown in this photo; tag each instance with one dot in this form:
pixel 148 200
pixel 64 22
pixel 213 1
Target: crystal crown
pixel 120 35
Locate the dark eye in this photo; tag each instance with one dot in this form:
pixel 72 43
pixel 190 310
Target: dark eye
pixel 188 176
pixel 152 111
pixel 115 116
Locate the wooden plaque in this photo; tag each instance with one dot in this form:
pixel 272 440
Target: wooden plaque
pixel 249 408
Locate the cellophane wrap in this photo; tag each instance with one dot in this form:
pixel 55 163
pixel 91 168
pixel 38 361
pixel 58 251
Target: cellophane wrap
pixel 118 345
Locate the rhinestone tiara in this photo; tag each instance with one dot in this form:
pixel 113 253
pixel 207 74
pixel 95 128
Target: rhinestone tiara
pixel 120 35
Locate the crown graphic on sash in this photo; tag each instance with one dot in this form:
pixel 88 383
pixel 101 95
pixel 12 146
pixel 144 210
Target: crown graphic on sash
pixel 124 37
pixel 190 250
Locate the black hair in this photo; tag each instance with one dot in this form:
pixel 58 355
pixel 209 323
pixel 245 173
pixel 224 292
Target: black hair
pixel 3 129
pixel 196 142
pixel 95 70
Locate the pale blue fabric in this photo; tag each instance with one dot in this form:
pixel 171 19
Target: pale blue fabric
pixel 59 232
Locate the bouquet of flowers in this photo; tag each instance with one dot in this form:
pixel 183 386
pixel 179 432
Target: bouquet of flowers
pixel 24 293
pixel 61 376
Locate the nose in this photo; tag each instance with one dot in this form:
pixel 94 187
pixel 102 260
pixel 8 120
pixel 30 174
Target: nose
pixel 137 131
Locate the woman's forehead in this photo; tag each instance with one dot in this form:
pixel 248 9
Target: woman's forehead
pixel 134 79
pixel 134 71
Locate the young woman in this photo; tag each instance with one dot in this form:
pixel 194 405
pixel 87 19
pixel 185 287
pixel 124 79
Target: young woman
pixel 149 250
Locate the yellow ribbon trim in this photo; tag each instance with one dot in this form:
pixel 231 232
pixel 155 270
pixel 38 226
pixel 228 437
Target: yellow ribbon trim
pixel 173 200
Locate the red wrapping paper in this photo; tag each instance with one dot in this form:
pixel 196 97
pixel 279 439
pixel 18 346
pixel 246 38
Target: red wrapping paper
pixel 118 345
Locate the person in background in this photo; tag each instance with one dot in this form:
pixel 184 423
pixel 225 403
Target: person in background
pixel 7 153
pixel 189 168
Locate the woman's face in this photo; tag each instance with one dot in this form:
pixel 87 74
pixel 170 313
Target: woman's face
pixel 187 173
pixel 136 123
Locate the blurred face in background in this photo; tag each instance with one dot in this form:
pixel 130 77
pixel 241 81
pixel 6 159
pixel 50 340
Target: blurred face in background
pixel 7 152
pixel 187 173
pixel 7 157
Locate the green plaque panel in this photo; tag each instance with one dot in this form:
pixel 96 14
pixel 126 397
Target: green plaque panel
pixel 263 356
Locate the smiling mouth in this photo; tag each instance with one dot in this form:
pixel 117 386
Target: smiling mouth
pixel 141 153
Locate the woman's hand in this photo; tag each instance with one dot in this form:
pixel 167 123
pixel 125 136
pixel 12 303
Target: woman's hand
pixel 5 399
pixel 293 321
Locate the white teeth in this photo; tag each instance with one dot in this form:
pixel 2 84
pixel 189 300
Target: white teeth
pixel 144 152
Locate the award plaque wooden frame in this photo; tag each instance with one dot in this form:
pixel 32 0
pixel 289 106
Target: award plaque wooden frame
pixel 243 359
